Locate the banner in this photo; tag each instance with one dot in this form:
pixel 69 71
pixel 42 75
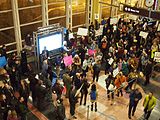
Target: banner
pixel 3 61
pixel 91 52
pixel 143 34
pixel 68 60
pixel 157 57
pixel 82 31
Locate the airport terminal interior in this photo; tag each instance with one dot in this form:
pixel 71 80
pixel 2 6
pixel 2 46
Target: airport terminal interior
pixel 80 59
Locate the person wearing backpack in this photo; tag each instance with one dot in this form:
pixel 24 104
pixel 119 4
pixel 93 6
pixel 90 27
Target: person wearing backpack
pixel 93 97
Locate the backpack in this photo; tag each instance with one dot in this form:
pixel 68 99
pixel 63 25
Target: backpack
pixel 93 95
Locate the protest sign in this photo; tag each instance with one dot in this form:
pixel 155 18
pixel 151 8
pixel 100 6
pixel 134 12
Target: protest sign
pixel 113 21
pixel 143 34
pixel 157 57
pixel 91 52
pixel 111 61
pixel 132 17
pixel 68 60
pixel 71 35
pixel 82 31
pixel 115 72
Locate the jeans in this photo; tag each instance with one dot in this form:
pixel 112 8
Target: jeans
pixel 95 106
pixel 85 98
pixel 147 113
pixel 132 109
pixel 96 75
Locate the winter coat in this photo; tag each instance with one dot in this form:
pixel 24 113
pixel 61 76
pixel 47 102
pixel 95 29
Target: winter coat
pixel 151 104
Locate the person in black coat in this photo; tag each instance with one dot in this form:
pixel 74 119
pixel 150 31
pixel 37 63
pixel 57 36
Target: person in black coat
pixel 84 90
pixel 14 78
pixel 24 91
pixel 134 96
pixel 109 81
pixel 72 101
pixel 22 110
pixel 60 110
pixel 96 70
pixel 148 71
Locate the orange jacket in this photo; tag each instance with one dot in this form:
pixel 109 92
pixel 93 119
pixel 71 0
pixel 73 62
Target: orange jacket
pixel 119 81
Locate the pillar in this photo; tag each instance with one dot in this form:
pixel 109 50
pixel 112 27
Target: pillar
pixel 16 22
pixel 89 7
pixel 45 21
pixel 68 8
pixel 96 10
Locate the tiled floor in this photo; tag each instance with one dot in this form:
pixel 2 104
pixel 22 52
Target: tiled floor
pixel 106 111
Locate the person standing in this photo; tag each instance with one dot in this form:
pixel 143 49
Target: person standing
pixel 96 70
pixel 84 90
pixel 93 96
pixel 149 104
pixel 134 98
pixel 148 71
pixel 72 101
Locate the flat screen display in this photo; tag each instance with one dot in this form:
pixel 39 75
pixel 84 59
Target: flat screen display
pixel 51 42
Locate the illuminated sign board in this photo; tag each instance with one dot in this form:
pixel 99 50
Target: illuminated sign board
pixel 141 12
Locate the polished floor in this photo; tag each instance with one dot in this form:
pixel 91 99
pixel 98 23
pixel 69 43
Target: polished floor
pixel 117 111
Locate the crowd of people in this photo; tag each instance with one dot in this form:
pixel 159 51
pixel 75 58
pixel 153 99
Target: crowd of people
pixel 120 46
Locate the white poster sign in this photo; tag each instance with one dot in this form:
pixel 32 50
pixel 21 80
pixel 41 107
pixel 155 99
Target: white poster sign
pixel 111 61
pixel 115 72
pixel 113 21
pixel 133 17
pixel 71 35
pixel 82 31
pixel 99 31
pixel 143 34
pixel 158 29
pixel 157 57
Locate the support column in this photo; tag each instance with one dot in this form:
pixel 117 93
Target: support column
pixel 95 9
pixel 44 13
pixel 113 11
pixel 17 29
pixel 89 9
pixel 68 8
pixel 100 12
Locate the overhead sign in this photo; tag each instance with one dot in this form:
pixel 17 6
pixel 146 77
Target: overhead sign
pixel 141 12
